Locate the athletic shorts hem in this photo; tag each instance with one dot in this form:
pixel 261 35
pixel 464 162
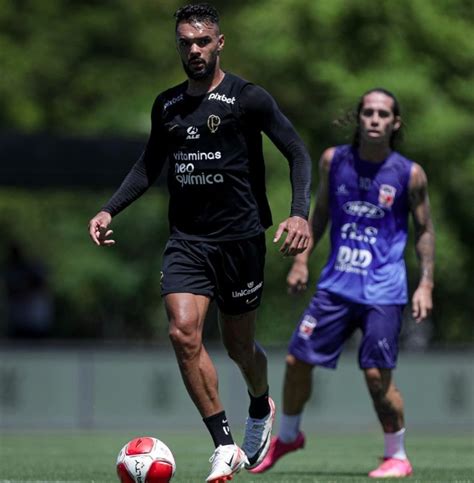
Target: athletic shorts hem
pixel 326 365
pixel 192 291
pixel 377 365
pixel 239 312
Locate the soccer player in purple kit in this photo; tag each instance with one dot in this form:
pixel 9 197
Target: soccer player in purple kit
pixel 366 190
pixel 209 128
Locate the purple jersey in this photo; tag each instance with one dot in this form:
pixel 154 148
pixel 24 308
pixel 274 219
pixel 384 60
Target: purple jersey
pixel 369 208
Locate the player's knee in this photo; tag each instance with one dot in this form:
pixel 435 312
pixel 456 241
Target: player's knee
pixel 236 356
pixel 378 381
pixel 185 338
pixel 240 353
pixel 295 365
pixel 297 370
pixel 375 385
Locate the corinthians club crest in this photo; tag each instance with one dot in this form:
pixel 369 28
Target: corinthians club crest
pixel 213 122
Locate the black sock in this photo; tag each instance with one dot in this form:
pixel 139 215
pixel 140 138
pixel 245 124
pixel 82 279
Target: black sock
pixel 219 428
pixel 259 407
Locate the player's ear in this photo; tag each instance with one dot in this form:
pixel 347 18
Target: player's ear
pixel 220 42
pixel 397 123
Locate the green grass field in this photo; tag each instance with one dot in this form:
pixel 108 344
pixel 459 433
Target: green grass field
pixel 90 457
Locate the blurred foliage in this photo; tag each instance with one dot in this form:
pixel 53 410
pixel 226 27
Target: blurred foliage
pixel 93 68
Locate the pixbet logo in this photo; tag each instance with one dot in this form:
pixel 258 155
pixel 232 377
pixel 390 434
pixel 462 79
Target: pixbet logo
pixel 184 173
pixel 173 101
pixel 353 260
pixel 222 98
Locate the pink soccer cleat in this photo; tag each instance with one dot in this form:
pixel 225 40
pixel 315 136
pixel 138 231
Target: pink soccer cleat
pixel 278 449
pixel 392 468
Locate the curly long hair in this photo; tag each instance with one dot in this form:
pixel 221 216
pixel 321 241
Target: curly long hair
pixel 350 118
pixel 396 135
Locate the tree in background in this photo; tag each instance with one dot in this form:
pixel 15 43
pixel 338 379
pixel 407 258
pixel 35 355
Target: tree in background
pixel 94 68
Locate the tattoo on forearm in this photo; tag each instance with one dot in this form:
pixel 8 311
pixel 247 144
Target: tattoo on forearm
pixel 424 231
pixel 425 252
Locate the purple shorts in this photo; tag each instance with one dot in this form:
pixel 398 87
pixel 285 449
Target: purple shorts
pixel 331 319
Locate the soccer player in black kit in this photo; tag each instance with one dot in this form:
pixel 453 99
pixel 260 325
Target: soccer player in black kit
pixel 209 129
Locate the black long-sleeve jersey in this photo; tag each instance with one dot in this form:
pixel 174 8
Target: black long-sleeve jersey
pixel 216 174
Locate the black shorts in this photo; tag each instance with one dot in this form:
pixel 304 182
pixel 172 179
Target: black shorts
pixel 231 272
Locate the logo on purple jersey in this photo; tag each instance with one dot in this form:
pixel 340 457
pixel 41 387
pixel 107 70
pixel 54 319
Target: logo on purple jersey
pixel 387 195
pixel 353 260
pixel 363 208
pixel 352 231
pixel 342 190
pixel 307 326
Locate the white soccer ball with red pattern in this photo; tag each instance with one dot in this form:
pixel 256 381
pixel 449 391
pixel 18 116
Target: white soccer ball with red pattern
pixel 145 460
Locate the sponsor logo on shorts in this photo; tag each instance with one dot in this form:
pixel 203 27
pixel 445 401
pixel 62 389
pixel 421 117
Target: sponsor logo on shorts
pixel 247 291
pixel 366 234
pixel 193 133
pixel 307 326
pixel 363 208
pixel 173 101
pixel 221 97
pixel 353 260
pixel 387 195
pixel 185 175
pixel 383 344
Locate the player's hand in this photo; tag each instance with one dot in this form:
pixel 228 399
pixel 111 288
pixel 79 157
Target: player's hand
pixel 297 238
pixel 422 302
pixel 98 229
pixel 297 278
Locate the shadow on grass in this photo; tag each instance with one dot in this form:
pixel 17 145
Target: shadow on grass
pixel 294 473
